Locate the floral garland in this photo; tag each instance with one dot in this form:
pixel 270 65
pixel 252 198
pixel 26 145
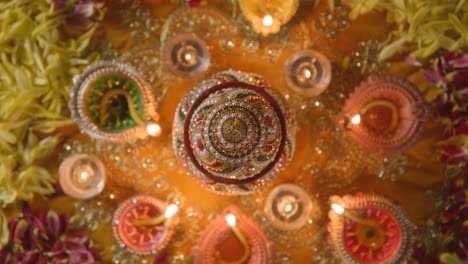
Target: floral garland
pixel 37 62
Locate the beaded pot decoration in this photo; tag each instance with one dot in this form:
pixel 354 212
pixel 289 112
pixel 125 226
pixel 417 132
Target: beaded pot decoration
pixel 234 133
pixel 368 228
pixel 385 115
pixel 111 102
pixel 142 240
pixel 219 244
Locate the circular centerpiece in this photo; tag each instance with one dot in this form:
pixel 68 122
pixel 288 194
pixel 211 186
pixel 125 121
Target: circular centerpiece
pixel 111 102
pixel 234 133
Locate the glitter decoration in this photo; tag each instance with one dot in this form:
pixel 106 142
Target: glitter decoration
pixel 82 176
pixel 234 133
pixel 111 102
pixel 186 55
pixel 267 17
pixel 137 18
pixel 142 240
pixel 368 228
pixel 217 239
pixel 365 58
pixel 385 115
pixel 330 23
pixel 308 72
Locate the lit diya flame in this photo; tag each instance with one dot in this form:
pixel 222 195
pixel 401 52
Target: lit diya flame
pixel 369 229
pixel 170 211
pixel 233 238
pixel 385 114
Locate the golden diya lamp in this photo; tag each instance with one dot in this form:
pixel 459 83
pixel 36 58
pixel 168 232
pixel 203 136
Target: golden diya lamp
pixel 267 16
pixel 367 228
pixel 112 103
pixel 144 225
pixel 233 238
pixel 385 115
pixel 234 133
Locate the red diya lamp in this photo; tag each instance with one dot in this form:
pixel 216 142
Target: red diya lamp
pixel 144 224
pixel 367 228
pixel 233 238
pixel 385 114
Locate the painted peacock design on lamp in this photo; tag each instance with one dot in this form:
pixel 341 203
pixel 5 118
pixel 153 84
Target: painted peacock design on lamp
pixel 234 133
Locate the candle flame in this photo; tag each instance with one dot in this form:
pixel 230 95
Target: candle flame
pixel 171 210
pixel 84 175
pixel 188 57
pixel 338 209
pixel 231 220
pixel 153 129
pixel 288 208
pixel 267 21
pixel 356 119
pixel 307 73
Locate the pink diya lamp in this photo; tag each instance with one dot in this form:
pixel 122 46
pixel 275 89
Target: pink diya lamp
pixel 144 224
pixel 367 228
pixel 385 115
pixel 233 238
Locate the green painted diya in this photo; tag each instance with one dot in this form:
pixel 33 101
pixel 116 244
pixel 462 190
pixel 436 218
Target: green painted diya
pixel 111 102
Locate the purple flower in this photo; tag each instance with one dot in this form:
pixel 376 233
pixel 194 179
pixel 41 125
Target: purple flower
pixel 161 259
pixel 85 14
pixel 454 154
pixel 461 62
pixel 412 61
pixel 59 4
pixel 43 238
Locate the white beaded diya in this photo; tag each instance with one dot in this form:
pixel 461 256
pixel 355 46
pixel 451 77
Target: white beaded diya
pixel 367 228
pixel 288 207
pixel 186 55
pixel 385 115
pixel 111 102
pixel 144 224
pixel 82 176
pixel 232 237
pixel 308 72
pixel 234 133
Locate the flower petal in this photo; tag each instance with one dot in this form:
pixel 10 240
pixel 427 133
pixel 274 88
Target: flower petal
pixel 77 23
pixel 461 62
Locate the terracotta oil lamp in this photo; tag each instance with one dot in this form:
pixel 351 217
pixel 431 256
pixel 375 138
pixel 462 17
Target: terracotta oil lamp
pixel 367 228
pixel 144 225
pixel 233 238
pixel 385 115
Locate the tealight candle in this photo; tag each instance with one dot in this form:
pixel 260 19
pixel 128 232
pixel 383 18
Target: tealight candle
pixel 186 55
pixel 308 72
pixel 369 229
pixel 288 207
pixel 231 221
pixel 82 176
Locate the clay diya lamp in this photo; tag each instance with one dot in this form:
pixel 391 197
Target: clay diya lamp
pixel 367 228
pixel 112 103
pixel 233 238
pixel 385 115
pixel 144 225
pixel 234 133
